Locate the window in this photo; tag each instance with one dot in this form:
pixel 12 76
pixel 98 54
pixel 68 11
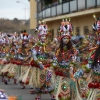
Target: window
pixel 66 0
pixel 38 0
pixel 86 30
pixel 39 6
pixel 77 30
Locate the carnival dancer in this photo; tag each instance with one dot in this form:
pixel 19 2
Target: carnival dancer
pixel 24 55
pixel 8 67
pixel 43 75
pixel 88 84
pixel 96 28
pixel 94 83
pixel 5 49
pixel 65 82
pixel 83 75
pixel 17 56
pixel 26 72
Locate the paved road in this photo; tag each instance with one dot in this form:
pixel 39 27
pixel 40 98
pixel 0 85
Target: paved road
pixel 12 89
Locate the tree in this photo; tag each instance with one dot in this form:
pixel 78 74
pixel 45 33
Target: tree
pixel 15 20
pixel 7 25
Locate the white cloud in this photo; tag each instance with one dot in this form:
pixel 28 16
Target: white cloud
pixel 12 9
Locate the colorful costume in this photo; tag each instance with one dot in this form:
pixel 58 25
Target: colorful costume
pixel 88 84
pixel 66 54
pixel 94 84
pixel 43 76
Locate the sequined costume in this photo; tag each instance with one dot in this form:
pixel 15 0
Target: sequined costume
pixel 43 77
pixel 65 86
pixel 88 84
pixel 94 64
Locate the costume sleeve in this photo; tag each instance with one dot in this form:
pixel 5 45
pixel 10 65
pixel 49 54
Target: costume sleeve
pixel 20 57
pixel 40 28
pixel 98 42
pixel 34 53
pixel 21 36
pixel 74 54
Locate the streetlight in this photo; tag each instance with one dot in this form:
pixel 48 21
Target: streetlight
pixel 28 11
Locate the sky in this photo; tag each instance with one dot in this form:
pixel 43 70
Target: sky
pixel 10 9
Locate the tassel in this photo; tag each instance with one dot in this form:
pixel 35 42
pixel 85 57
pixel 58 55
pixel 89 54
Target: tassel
pixel 12 70
pixel 20 73
pixel 26 75
pixel 58 86
pixel 38 77
pixel 23 71
pixel 35 78
pixel 16 72
pixel 77 90
pixel 92 95
pixel 31 78
pixel 53 79
pixel 5 69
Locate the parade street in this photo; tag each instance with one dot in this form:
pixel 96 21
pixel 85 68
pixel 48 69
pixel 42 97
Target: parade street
pixel 15 90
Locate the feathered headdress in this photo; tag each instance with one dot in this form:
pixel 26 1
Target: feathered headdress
pixel 96 25
pixel 42 29
pixel 65 33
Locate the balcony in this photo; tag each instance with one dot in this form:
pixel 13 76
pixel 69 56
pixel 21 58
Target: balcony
pixel 67 8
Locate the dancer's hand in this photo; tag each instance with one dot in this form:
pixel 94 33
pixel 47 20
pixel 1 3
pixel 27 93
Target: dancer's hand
pixel 45 68
pixel 1 90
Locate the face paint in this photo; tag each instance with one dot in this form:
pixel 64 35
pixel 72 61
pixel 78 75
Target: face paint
pixel 43 37
pixel 65 40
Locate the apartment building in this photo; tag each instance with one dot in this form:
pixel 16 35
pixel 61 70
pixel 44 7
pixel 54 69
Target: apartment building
pixel 80 11
pixel 33 10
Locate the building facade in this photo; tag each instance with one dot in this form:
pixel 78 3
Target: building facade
pixel 80 11
pixel 33 10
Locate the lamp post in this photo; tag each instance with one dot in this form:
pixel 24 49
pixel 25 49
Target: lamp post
pixel 28 12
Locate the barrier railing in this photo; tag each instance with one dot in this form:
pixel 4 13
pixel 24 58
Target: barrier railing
pixel 67 7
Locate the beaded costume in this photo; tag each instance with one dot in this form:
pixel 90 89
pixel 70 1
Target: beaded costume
pixel 66 54
pixel 43 77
